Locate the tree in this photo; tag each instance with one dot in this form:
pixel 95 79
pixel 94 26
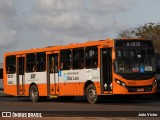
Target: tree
pixel 149 31
pixel 129 33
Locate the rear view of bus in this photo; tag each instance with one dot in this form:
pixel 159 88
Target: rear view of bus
pixel 134 67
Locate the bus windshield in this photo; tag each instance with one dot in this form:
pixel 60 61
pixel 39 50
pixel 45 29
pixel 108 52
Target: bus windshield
pixel 135 61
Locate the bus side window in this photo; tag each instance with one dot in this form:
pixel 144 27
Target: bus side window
pixel 78 58
pixel 10 64
pixel 30 62
pixel 34 69
pixel 91 57
pixel 41 62
pixel 65 59
pixel 95 64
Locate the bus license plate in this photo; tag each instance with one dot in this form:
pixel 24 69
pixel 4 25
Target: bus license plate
pixel 140 90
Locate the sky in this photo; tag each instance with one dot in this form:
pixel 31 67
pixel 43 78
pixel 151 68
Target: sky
pixel 26 24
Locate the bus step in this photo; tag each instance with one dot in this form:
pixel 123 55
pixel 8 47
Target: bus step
pixel 53 96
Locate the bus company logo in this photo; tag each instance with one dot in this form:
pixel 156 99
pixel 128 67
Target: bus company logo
pixel 33 76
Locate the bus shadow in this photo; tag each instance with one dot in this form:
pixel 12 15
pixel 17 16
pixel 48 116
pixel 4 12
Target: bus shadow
pixel 108 100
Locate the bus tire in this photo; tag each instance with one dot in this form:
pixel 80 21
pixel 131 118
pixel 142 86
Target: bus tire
pixel 92 96
pixel 34 94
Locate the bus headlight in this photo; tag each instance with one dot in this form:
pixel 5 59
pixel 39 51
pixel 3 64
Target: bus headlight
pixel 120 83
pixel 154 83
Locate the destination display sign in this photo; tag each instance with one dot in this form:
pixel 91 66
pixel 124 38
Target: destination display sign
pixel 133 43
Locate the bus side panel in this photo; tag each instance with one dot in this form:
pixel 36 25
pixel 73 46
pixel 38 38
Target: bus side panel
pixel 76 89
pixel 26 87
pixel 79 91
pixel 72 82
pixel 10 84
pixel 4 78
pixel 96 79
pixel 66 89
pixel 98 87
pixel 10 90
pixel 38 78
pixel 42 88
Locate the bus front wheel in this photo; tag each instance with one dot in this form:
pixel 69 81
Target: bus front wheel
pixel 92 96
pixel 34 94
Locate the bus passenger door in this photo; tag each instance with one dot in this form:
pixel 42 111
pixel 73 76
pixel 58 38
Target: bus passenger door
pixel 52 80
pixel 106 70
pixel 20 76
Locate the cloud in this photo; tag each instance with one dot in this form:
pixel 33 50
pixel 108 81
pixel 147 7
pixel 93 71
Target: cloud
pixel 40 23
pixel 7 8
pixel 81 19
pixel 7 37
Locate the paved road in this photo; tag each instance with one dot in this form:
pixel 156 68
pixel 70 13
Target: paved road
pixel 78 107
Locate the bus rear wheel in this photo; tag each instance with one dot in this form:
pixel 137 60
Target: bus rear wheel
pixel 92 96
pixel 34 94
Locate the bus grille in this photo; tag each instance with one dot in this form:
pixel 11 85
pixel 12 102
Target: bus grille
pixel 139 88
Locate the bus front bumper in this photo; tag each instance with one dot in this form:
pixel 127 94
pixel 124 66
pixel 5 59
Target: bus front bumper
pixel 149 89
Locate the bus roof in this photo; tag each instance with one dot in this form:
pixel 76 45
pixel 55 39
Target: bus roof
pixel 130 39
pixel 108 42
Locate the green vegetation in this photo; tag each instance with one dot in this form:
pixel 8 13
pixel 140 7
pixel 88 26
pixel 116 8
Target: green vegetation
pixel 149 31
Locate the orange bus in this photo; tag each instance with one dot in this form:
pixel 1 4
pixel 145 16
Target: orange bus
pixel 94 69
